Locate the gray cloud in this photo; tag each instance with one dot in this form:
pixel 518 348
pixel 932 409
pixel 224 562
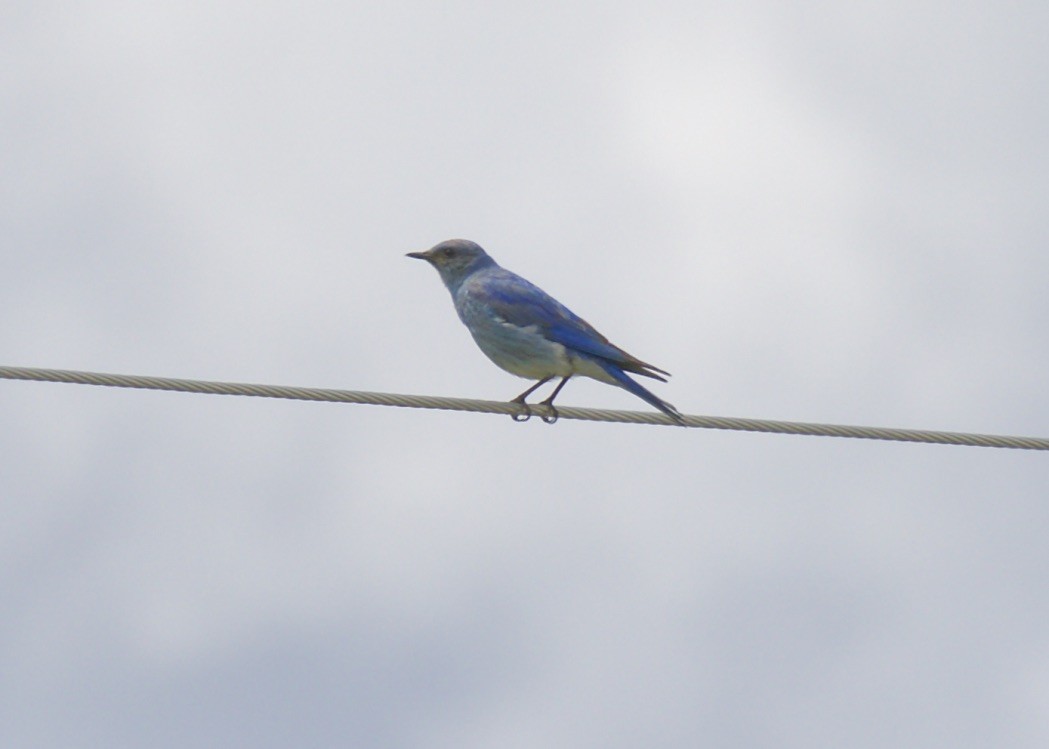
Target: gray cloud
pixel 820 214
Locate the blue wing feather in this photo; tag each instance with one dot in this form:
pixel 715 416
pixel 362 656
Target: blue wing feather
pixel 522 303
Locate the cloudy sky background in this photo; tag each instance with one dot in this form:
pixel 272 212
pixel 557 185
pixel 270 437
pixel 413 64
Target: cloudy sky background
pixel 827 212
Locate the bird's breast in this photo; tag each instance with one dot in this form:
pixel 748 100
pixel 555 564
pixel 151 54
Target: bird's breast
pixel 520 350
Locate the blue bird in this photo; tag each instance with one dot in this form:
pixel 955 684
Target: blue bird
pixel 530 334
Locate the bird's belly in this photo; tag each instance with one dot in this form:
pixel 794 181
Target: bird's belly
pixel 521 351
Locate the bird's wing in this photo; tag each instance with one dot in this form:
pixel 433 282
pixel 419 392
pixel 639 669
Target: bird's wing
pixel 522 303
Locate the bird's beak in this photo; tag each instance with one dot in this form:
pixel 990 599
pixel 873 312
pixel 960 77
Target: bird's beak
pixel 419 255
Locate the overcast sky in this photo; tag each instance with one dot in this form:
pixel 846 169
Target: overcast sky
pixel 823 212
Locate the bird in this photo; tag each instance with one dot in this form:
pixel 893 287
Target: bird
pixel 528 333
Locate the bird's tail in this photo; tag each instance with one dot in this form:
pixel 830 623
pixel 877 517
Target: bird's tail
pixel 626 382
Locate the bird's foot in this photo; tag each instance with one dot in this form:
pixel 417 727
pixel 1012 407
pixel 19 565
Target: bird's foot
pixel 522 415
pixel 552 417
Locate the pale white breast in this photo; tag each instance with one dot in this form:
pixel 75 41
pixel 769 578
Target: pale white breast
pixel 522 351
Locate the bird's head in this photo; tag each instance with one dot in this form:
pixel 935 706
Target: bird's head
pixel 455 259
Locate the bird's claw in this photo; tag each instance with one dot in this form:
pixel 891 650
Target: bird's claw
pixel 548 418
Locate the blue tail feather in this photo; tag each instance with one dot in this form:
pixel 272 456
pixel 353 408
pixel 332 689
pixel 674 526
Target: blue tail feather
pixel 626 382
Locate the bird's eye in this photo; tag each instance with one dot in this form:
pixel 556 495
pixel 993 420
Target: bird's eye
pixel 447 252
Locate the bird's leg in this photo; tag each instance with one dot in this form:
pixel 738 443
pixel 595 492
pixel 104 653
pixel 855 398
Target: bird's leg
pixel 521 399
pixel 549 402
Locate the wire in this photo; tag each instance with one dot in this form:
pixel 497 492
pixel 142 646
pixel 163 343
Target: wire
pixel 503 407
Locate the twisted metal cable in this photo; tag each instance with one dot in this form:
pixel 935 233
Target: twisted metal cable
pixel 502 407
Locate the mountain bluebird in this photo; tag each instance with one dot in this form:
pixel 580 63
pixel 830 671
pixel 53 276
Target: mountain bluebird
pixel 529 333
